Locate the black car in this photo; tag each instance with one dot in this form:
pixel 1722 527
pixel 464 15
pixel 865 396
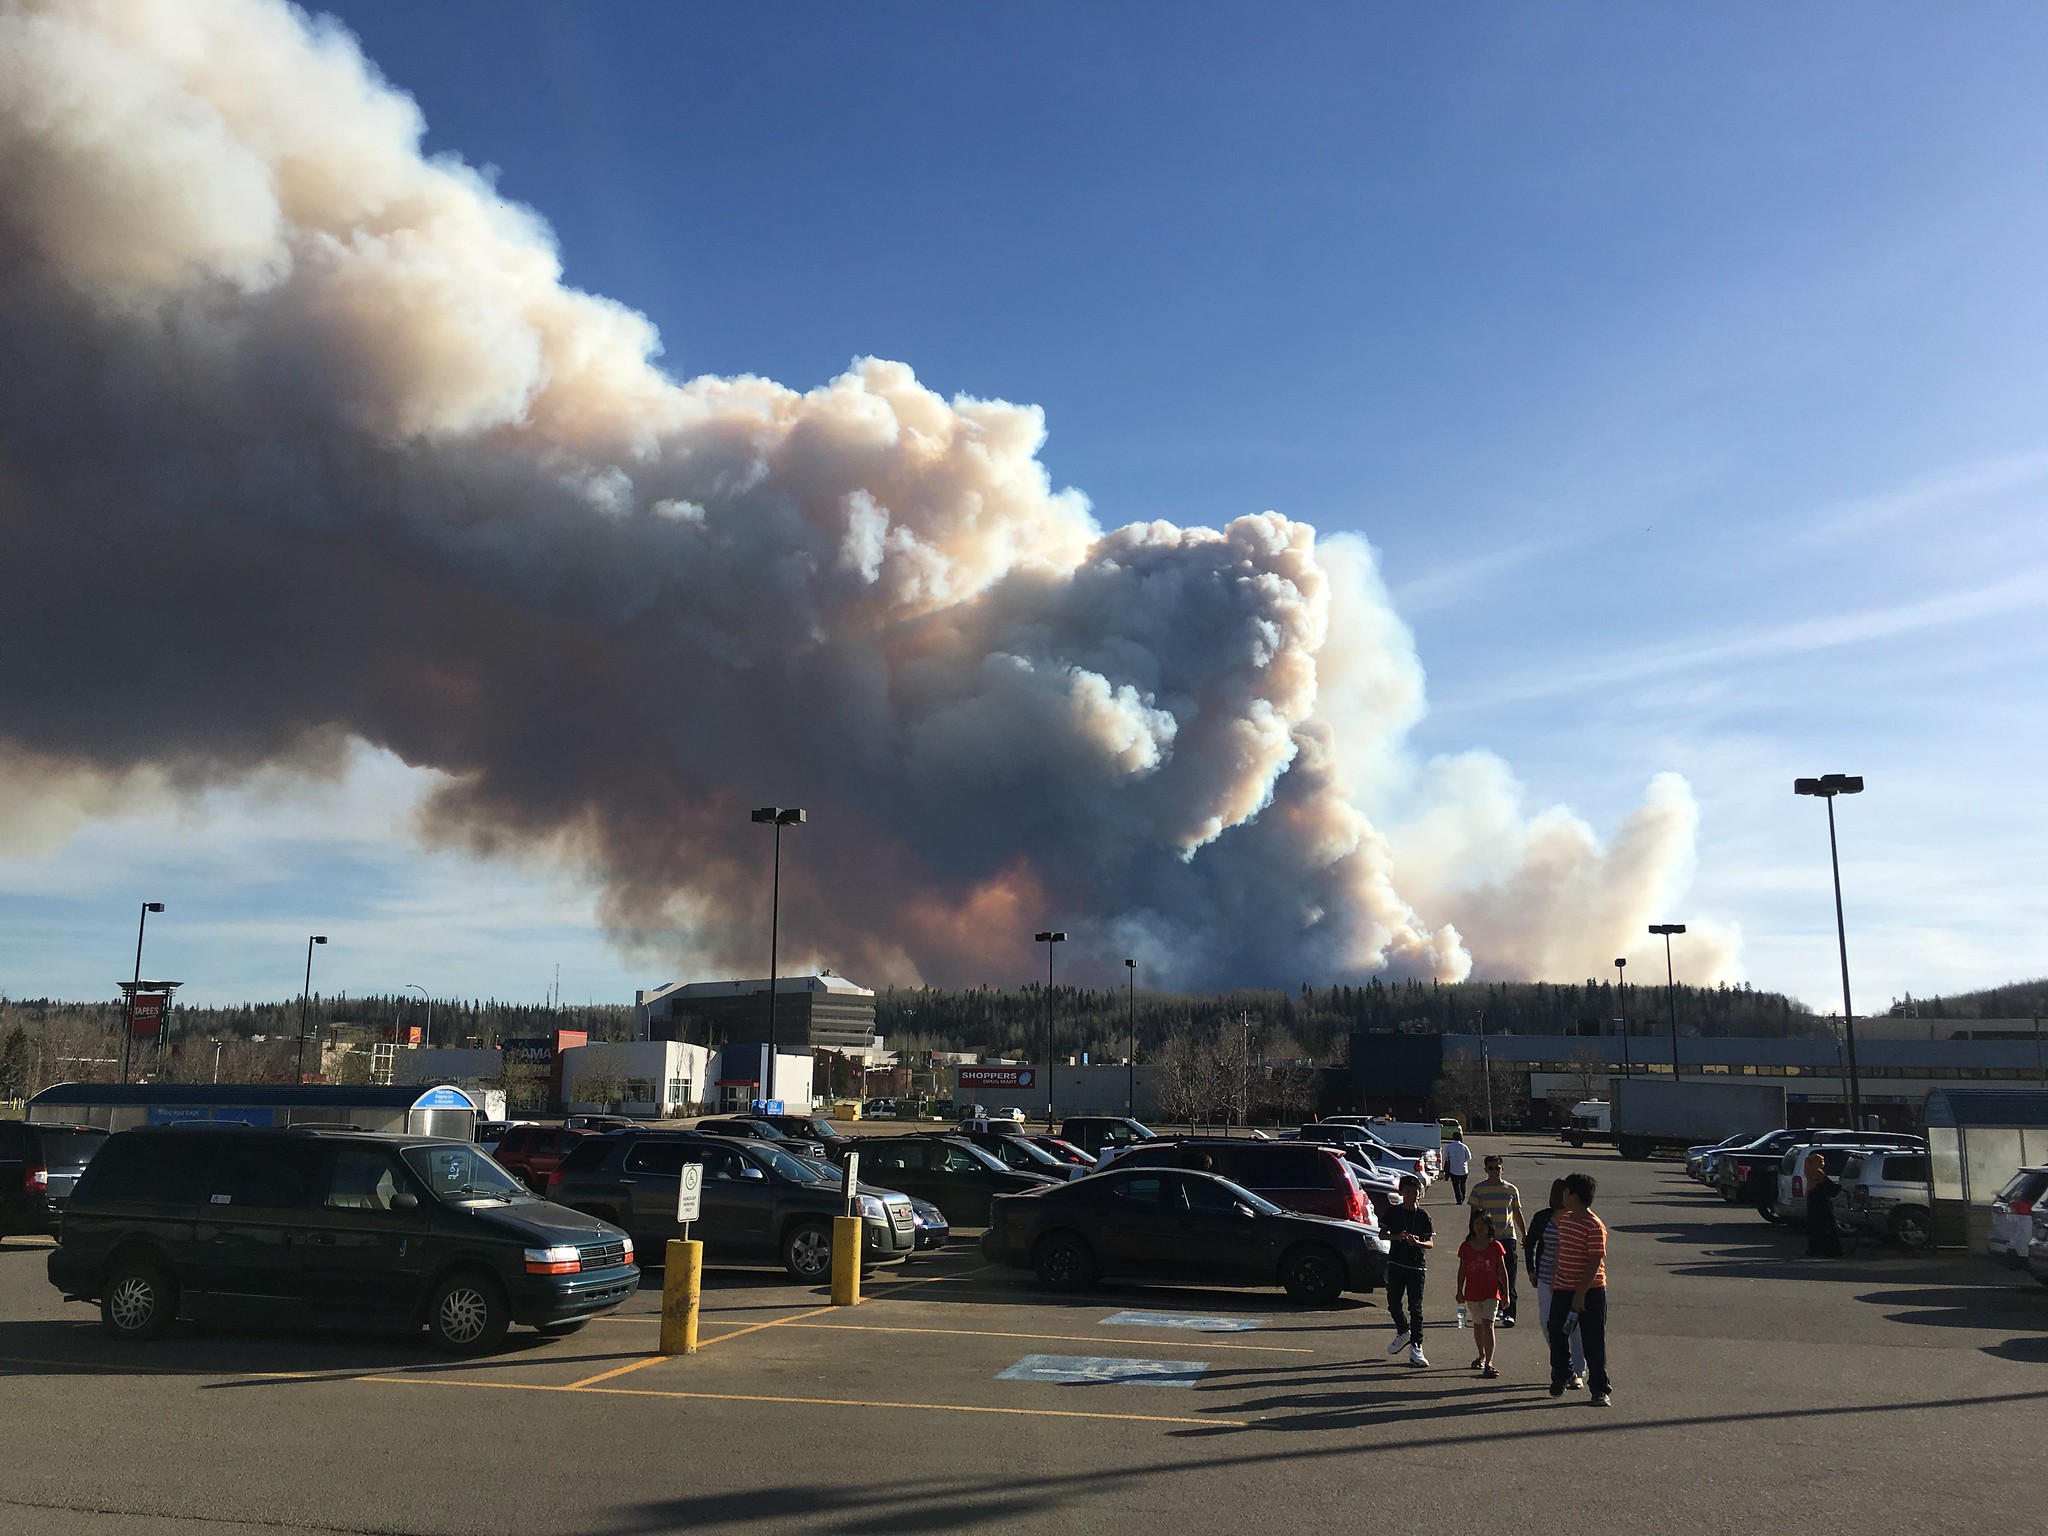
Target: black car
pixel 1179 1225
pixel 955 1175
pixel 1092 1133
pixel 759 1203
pixel 38 1166
pixel 748 1128
pixel 1012 1149
pixel 321 1226
pixel 815 1129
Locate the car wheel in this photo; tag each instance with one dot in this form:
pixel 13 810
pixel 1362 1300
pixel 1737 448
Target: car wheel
pixel 1064 1263
pixel 1314 1274
pixel 561 1330
pixel 1578 1141
pixel 468 1314
pixel 139 1300
pixel 1769 1213
pixel 1912 1230
pixel 807 1251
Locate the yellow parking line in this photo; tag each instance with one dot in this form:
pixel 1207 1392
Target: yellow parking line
pixel 338 1374
pixel 808 1402
pixel 1071 1338
pixel 703 1344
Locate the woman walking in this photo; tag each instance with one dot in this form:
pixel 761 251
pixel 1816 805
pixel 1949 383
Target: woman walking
pixel 1543 1242
pixel 1482 1282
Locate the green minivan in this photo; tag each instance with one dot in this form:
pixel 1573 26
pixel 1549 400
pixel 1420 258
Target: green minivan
pixel 331 1227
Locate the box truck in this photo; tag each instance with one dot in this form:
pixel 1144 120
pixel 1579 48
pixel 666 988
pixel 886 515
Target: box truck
pixel 1649 1112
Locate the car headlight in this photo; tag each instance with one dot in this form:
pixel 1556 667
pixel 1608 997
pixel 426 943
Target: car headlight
pixel 872 1209
pixel 561 1260
pixel 629 1252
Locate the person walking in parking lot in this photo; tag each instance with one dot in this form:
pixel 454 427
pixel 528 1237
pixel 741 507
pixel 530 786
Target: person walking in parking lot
pixel 1410 1234
pixel 1457 1164
pixel 1482 1281
pixel 1503 1202
pixel 1578 1292
pixel 1542 1260
pixel 1823 1237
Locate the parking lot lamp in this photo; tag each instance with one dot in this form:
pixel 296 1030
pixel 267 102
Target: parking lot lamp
pixel 778 817
pixel 1049 938
pixel 128 1029
pixel 1826 787
pixel 1670 987
pixel 305 995
pixel 1131 1060
pixel 1621 1006
pixel 427 1034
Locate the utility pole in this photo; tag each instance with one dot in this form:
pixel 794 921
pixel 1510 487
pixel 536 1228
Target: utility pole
pixel 1131 1060
pixel 1670 989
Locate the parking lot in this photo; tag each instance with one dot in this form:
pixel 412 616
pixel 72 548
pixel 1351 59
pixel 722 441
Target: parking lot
pixel 1754 1390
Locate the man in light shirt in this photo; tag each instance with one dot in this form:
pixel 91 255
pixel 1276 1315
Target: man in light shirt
pixel 1457 1164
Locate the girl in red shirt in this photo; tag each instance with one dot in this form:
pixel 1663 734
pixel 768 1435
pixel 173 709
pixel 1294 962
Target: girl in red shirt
pixel 1482 1282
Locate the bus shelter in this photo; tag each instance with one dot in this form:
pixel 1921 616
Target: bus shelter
pixel 1977 1139
pixel 409 1110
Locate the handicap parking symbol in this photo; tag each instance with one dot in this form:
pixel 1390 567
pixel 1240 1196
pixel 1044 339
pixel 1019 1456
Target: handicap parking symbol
pixel 1105 1371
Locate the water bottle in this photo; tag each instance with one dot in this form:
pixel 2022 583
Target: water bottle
pixel 1464 1315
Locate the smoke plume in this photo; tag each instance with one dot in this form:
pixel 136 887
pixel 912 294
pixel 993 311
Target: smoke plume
pixel 303 442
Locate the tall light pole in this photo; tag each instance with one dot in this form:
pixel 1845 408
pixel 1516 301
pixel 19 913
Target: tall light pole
pixel 216 1059
pixel 1826 787
pixel 305 996
pixel 1131 1060
pixel 1670 987
pixel 1049 938
pixel 778 817
pixel 1621 1003
pixel 1486 1071
pixel 426 1035
pixel 128 1026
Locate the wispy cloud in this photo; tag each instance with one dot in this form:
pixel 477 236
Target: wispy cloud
pixel 2016 593
pixel 1944 490
pixel 1448 586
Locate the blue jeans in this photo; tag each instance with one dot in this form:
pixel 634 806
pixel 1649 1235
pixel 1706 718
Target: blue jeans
pixel 1592 1336
pixel 1578 1341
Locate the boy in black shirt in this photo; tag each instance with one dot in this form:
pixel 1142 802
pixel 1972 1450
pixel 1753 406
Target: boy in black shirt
pixel 1411 1234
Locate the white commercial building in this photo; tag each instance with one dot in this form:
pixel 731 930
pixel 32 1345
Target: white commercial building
pixel 646 1079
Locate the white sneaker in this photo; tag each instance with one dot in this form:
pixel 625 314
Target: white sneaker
pixel 1400 1342
pixel 1415 1355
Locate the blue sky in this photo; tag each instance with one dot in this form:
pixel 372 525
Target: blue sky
pixel 1682 363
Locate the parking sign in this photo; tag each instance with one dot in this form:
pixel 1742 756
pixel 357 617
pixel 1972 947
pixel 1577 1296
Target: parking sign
pixel 690 1193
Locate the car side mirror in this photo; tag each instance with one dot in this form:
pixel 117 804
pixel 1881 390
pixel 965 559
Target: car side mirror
pixel 751 1172
pixel 405 1201
pixel 1244 1210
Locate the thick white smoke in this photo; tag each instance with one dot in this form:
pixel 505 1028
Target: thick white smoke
pixel 302 440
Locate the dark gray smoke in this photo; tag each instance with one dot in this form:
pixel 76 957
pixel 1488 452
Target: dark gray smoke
pixel 303 442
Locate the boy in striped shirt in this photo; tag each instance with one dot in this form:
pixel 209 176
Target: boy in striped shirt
pixel 1578 1292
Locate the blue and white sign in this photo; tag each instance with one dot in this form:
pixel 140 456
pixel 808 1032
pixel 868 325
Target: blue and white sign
pixel 233 1114
pixel 444 1098
pixel 765 1107
pixel 1105 1371
pixel 1181 1320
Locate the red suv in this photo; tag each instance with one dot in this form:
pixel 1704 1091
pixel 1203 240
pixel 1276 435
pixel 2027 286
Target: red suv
pixel 535 1151
pixel 1294 1175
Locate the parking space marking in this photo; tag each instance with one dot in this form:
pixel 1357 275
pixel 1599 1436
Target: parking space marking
pixel 1181 1320
pixel 338 1374
pixel 1063 1338
pixel 809 1402
pixel 1105 1371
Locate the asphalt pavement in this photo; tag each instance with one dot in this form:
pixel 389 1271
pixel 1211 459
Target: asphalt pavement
pixel 1754 1390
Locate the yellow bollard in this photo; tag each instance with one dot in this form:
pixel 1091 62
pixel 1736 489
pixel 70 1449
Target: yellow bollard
pixel 679 1290
pixel 846 1241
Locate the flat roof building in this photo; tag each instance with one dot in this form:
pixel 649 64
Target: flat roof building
pixel 812 1013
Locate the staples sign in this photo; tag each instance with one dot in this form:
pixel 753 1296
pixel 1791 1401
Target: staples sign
pixel 146 1017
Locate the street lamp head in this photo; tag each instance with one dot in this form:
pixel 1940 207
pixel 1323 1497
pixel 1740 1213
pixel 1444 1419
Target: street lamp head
pixel 1131 965
pixel 1619 962
pixel 319 938
pixel 1829 785
pixel 779 816
pixel 1051 936
pixel 152 906
pixel 1667 928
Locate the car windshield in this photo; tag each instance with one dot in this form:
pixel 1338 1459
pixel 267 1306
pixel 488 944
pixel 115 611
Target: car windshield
pixel 988 1159
pixel 795 1169
pixel 815 1171
pixel 457 1173
pixel 1035 1154
pixel 818 1128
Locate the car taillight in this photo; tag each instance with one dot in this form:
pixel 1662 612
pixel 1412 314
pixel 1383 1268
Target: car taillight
pixel 1860 1195
pixel 561 1260
pixel 1798 1185
pixel 554 1181
pixel 36 1180
pixel 2019 1207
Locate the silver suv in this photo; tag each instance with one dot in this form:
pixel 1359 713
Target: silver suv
pixel 1889 1194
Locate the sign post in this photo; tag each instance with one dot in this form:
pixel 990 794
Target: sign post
pixel 846 1238
pixel 683 1281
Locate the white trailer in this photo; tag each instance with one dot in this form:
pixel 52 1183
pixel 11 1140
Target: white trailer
pixel 1651 1112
